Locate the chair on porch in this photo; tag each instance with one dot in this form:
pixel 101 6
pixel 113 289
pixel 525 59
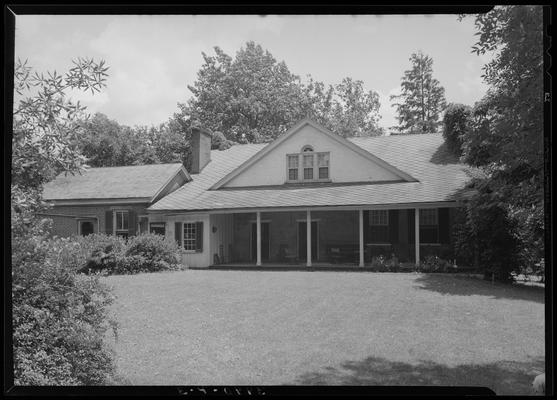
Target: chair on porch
pixel 286 255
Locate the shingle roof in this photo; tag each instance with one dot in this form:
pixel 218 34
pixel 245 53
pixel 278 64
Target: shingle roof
pixel 424 156
pixel 136 181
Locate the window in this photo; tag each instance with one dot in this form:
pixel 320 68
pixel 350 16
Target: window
pixel 157 228
pixel 323 164
pixel 429 226
pixel 86 227
pixel 379 226
pixel 121 223
pixel 308 166
pixel 293 167
pixel 190 236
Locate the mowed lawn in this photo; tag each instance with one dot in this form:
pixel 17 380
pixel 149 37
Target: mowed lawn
pixel 326 328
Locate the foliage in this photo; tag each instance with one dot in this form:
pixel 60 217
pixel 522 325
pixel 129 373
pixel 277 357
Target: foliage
pixel 485 229
pixel 106 143
pixel 143 253
pixel 422 97
pixel 59 318
pixel 355 112
pixel 154 247
pixel 456 123
pixel 381 263
pixel 46 123
pixel 254 98
pixel 435 264
pixel 506 137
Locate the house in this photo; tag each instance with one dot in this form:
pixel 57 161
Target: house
pixel 110 199
pixel 312 197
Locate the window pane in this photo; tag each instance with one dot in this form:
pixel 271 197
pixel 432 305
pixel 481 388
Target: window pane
pixel 293 174
pixel 429 234
pixel 189 236
pixel 428 217
pixel 293 161
pixel 125 216
pixel 323 172
pixel 379 217
pixel 308 173
pixel 323 159
pixel 379 234
pixel 308 160
pixel 118 220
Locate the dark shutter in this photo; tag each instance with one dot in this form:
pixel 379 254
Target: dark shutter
pixel 393 226
pixel 108 222
pixel 366 227
pixel 178 233
pixel 199 237
pixel 132 224
pixel 411 233
pixel 444 228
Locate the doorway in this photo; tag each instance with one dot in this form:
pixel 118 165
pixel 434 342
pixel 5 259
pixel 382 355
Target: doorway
pixel 302 240
pixel 265 241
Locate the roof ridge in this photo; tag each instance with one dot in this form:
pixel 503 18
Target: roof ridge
pixel 133 166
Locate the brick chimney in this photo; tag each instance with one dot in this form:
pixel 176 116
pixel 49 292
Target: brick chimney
pixel 200 149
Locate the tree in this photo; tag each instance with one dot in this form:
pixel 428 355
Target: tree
pixel 422 97
pixel 251 95
pixel 254 98
pixel 456 123
pixel 47 124
pixel 355 112
pixel 59 319
pixel 506 139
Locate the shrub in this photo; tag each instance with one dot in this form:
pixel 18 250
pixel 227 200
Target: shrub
pixel 80 250
pixel 143 253
pixel 435 264
pixel 154 247
pixel 379 263
pixel 59 317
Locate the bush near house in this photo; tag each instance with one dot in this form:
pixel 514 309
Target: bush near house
pixel 59 318
pixel 114 255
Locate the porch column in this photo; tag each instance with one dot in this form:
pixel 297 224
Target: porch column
pixel 258 263
pixel 417 234
pixel 361 238
pixel 308 240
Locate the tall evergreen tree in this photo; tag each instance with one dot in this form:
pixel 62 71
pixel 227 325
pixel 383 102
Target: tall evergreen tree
pixel 422 97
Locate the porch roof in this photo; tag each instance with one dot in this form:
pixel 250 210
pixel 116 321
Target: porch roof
pixel 425 156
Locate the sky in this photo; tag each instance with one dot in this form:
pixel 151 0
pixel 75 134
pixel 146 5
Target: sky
pixel 152 59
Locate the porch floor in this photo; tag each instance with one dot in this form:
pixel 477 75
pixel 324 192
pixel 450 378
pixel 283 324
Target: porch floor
pixel 277 266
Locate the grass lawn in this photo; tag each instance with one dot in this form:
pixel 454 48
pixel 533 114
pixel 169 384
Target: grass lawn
pixel 327 328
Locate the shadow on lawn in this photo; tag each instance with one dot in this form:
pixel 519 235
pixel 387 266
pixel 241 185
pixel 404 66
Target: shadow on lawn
pixel 505 377
pixel 463 286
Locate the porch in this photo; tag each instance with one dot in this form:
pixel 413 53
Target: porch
pixel 278 266
pixel 339 238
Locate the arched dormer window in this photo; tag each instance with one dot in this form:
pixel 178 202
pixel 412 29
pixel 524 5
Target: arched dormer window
pixel 307 148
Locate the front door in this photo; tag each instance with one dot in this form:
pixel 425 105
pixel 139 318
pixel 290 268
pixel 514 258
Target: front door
pixel 302 240
pixel 265 241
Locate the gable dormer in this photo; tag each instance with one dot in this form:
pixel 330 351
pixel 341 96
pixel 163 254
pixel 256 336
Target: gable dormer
pixel 309 153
